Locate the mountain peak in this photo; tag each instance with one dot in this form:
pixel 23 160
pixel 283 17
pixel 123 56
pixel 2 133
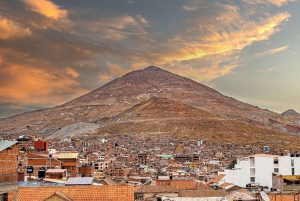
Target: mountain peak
pixel 152 68
pixel 291 112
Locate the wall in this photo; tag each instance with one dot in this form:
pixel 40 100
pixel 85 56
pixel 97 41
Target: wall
pixel 9 172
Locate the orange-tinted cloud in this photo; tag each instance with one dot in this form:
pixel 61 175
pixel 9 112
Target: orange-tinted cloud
pixel 46 8
pixel 29 85
pixel 225 36
pixel 10 29
pixel 278 3
pixel 72 72
pixel 113 71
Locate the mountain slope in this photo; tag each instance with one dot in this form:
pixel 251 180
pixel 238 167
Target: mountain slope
pixel 115 99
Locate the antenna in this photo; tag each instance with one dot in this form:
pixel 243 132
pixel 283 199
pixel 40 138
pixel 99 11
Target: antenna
pixel 264 196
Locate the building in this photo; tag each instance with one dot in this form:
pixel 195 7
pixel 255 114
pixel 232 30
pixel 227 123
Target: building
pixel 257 169
pixel 42 160
pixel 143 192
pixel 181 183
pixel 41 145
pixel 286 182
pixel 70 163
pixel 187 158
pixel 9 170
pixel 76 193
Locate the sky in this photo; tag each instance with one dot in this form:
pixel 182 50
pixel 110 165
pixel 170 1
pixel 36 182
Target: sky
pixel 52 51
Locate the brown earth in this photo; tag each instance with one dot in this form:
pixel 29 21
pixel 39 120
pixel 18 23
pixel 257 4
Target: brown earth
pixel 132 104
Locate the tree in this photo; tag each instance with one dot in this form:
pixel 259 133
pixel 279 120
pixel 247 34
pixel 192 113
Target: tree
pixel 231 165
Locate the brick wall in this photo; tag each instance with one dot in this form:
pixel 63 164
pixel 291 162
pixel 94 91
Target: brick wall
pixel 12 196
pixel 9 164
pixel 9 172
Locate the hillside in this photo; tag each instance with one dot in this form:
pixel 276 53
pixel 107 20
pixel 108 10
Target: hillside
pixel 176 103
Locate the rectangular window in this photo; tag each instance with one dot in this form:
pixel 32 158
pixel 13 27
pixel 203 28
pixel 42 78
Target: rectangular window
pixel 252 179
pixel 293 171
pixel 276 161
pixel 292 162
pixel 162 183
pixel 276 170
pixel 4 197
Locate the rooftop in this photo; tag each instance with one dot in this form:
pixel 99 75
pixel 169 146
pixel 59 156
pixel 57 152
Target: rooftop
pixel 78 193
pixel 4 144
pixel 67 155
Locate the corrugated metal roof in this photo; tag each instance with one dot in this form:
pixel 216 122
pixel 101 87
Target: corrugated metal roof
pixel 79 181
pixel 37 183
pixel 4 144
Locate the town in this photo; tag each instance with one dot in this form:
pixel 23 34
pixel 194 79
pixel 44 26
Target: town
pixel 150 168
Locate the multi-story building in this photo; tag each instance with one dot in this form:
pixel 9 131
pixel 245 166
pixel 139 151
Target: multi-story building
pixel 258 169
pixel 70 162
pixel 8 170
pixel 42 160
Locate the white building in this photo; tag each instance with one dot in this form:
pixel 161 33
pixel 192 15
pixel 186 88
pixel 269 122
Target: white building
pixel 257 169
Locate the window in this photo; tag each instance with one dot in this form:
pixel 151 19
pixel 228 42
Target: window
pixel 139 197
pixel 292 162
pixel 4 197
pixel 162 183
pixel 276 170
pixel 252 179
pixel 276 161
pixel 293 171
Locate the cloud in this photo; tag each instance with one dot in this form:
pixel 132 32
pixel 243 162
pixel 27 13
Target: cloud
pixel 72 72
pixel 142 20
pixel 130 2
pixel 112 71
pixel 278 3
pixel 190 8
pixel 121 27
pixel 46 8
pixel 216 41
pixel 265 70
pixel 194 5
pixel 10 29
pixel 31 85
pixel 272 51
pixel 68 49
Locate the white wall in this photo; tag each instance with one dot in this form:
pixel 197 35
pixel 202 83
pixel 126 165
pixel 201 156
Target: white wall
pixel 261 170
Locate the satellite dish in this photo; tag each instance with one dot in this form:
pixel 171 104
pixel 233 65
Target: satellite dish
pixel 264 196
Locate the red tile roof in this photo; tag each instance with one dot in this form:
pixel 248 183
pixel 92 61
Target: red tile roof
pixel 183 184
pixel 78 193
pixel 218 178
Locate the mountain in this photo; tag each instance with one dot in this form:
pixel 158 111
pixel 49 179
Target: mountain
pixel 157 97
pixel 291 112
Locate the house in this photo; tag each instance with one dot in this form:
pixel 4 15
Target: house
pixel 70 162
pixel 286 182
pixel 76 193
pixel 42 160
pixel 56 173
pixel 257 169
pixel 218 181
pixel 9 170
pixel 203 193
pixel 147 192
pixel 181 183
